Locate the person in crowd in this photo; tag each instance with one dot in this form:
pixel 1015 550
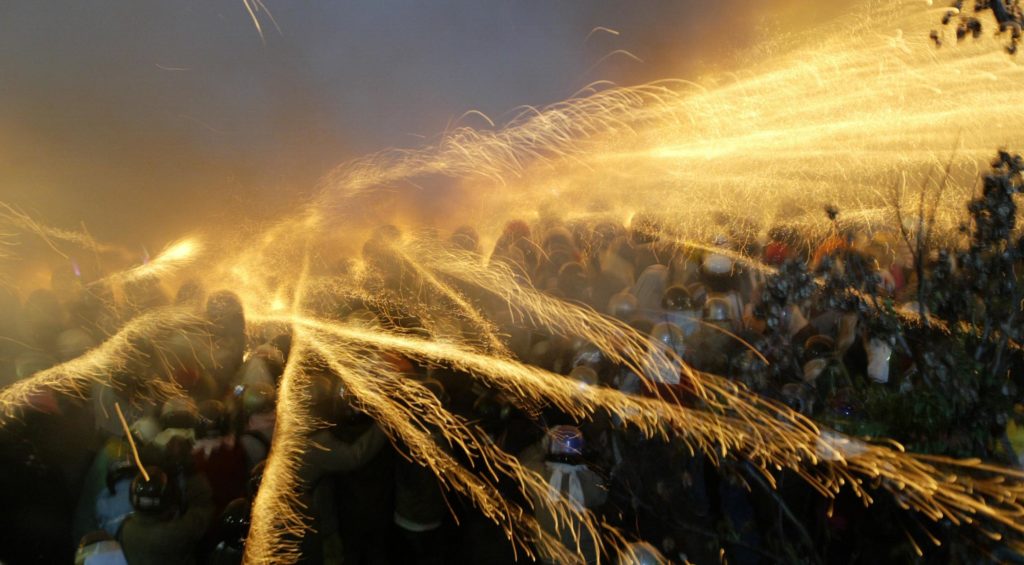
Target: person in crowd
pixel 255 406
pixel 369 499
pixel 172 513
pixel 559 461
pixel 420 508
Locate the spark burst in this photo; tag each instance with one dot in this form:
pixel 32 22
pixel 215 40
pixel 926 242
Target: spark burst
pixel 833 116
pixel 172 259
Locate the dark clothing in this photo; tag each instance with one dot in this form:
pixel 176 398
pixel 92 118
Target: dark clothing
pixel 593 493
pixel 365 502
pixel 149 539
pixel 329 455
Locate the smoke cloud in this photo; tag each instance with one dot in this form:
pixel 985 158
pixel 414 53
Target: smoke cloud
pixel 147 120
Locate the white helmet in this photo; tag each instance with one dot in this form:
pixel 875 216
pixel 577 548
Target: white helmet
pixel 879 353
pixel 717 264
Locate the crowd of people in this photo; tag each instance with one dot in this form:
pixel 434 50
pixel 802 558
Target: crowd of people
pixel 70 482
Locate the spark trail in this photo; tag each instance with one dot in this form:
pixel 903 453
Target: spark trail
pixel 120 362
pixel 830 118
pixel 833 115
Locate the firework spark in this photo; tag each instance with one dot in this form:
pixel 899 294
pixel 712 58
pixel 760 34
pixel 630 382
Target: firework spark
pixel 827 117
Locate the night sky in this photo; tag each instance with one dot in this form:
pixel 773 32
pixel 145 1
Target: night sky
pixel 146 119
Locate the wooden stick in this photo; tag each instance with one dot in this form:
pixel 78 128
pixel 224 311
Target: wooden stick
pixel 131 441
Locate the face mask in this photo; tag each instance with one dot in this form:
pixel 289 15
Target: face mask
pixel 879 353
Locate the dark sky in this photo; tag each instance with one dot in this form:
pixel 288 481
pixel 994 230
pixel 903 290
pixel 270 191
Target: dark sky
pixel 145 119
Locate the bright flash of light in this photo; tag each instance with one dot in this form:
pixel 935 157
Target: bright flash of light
pixel 173 258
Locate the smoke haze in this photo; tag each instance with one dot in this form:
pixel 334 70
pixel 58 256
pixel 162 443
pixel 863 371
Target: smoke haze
pixel 146 120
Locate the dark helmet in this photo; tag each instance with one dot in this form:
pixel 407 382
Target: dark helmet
pixel 558 238
pixel 623 306
pixel 152 496
pixel 818 347
pixel 670 335
pixel 213 420
pixel 717 310
pixel 565 443
pixel 572 279
pixel 466 238
pixel 177 453
pixel 514 231
pixel 677 299
pixel 179 413
pixel 225 313
pixel 234 523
